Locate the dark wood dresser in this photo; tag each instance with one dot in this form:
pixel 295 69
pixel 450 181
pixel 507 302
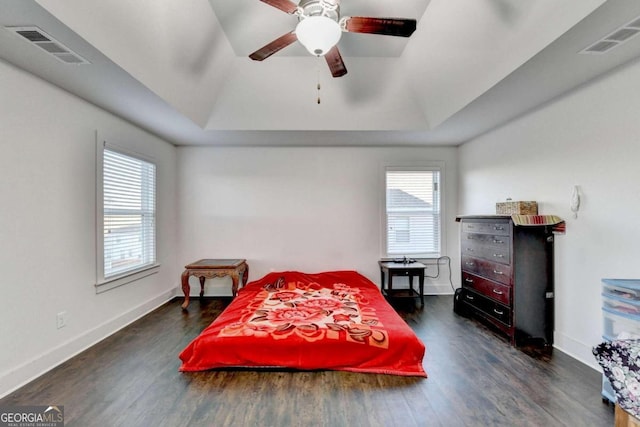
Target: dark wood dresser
pixel 507 277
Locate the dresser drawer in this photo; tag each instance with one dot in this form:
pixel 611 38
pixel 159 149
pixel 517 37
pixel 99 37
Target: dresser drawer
pixel 487 306
pixel 497 227
pixel 493 240
pixel 487 269
pixel 493 290
pixel 500 252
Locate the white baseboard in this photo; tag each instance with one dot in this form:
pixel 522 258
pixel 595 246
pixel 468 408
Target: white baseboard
pixel 438 289
pixel 578 350
pixel 35 367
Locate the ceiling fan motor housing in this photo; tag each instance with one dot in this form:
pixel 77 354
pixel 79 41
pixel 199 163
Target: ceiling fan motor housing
pixel 328 8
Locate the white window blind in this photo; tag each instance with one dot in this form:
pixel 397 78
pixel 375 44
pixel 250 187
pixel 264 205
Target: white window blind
pixel 413 212
pixel 129 214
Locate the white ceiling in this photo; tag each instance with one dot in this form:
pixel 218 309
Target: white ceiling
pixel 180 69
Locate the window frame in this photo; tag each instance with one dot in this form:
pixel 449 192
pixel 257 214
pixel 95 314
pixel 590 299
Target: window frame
pixel 106 283
pixel 432 166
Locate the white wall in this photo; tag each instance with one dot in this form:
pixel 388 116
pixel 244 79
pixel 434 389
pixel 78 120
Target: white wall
pixel 588 138
pixel 309 209
pixel 47 227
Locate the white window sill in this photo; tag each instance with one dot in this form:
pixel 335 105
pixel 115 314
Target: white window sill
pixel 126 278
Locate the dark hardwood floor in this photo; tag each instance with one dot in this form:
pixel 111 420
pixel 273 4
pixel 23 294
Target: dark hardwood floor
pixel 475 379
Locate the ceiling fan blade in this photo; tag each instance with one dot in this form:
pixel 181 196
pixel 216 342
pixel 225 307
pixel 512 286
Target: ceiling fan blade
pixel 385 26
pixel 273 47
pixel 284 5
pixel 335 62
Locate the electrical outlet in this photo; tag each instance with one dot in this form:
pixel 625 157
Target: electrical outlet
pixel 61 319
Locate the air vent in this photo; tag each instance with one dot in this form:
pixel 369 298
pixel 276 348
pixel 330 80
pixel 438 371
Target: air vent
pixel 47 43
pixel 614 39
pixel 600 47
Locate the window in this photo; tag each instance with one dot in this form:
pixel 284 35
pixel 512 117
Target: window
pixel 126 216
pixel 412 212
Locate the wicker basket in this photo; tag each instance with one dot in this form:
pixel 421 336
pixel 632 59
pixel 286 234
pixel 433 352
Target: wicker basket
pixel 518 208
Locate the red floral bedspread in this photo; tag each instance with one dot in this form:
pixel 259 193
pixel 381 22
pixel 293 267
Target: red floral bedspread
pixel 334 320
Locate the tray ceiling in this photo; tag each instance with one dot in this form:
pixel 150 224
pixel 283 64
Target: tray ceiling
pixel 181 70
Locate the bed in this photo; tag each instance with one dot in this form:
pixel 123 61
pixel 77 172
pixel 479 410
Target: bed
pixel 327 321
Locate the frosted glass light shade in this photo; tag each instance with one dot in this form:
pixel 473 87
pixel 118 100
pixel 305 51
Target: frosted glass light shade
pixel 318 34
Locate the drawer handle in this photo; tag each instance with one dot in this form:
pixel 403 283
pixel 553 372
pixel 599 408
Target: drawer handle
pixel 497 292
pixel 470 264
pixel 498 255
pixel 469 297
pixel 498 272
pixel 498 228
pixel 470 249
pixel 468 280
pixel 470 237
pixel 499 242
pixel 498 312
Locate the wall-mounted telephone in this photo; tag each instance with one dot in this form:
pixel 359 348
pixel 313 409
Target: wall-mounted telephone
pixel 575 201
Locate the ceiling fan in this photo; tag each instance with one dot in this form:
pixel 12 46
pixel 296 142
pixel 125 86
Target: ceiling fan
pixel 320 27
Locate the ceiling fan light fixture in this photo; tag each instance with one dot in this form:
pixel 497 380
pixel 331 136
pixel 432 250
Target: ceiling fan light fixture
pixel 318 34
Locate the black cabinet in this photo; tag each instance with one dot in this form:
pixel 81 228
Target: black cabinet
pixel 507 276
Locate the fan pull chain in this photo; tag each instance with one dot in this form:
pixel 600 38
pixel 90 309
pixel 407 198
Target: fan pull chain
pixel 318 86
pixel 318 74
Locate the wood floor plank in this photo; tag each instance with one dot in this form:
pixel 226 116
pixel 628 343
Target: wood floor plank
pixel 475 379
